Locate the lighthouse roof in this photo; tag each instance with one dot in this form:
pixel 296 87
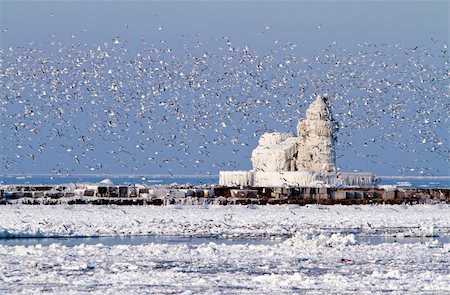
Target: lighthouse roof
pixel 319 109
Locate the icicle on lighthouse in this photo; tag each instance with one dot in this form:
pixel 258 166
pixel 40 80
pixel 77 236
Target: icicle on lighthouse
pixel 309 159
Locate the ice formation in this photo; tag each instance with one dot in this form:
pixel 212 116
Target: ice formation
pixel 275 152
pixel 316 138
pixel 281 159
pixel 315 253
pixel 22 221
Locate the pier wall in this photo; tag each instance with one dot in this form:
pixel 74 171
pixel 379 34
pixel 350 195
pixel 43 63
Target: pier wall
pixel 165 195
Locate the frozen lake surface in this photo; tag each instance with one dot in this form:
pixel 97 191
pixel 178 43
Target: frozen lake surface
pixel 229 249
pixel 232 222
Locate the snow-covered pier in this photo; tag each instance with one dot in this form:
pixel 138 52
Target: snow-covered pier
pixel 223 195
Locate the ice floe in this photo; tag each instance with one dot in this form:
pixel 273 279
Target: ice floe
pixel 319 251
pixel 303 263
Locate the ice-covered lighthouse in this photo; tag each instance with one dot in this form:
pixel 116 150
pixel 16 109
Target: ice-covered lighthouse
pixel 317 137
pixel 309 159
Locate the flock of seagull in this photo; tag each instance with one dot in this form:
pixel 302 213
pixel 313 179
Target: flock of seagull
pixel 187 109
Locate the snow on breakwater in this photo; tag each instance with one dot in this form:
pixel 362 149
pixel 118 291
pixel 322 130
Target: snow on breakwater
pixel 223 221
pixel 219 195
pixel 416 182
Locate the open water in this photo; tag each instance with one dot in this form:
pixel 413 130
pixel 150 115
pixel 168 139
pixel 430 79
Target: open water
pixel 401 182
pixel 147 239
pixel 132 240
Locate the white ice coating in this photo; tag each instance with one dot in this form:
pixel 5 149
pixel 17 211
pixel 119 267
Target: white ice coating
pixel 235 178
pixel 280 159
pixel 317 137
pixel 355 179
pixel 285 178
pixel 270 139
pixel 275 152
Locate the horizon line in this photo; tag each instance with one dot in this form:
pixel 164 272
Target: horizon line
pixel 185 175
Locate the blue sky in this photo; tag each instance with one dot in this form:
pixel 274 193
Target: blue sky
pixel 349 22
pixel 310 31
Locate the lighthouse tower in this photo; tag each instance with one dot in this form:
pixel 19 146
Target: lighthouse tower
pixel 317 138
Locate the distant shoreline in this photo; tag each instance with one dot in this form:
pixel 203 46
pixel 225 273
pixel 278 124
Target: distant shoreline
pixel 414 177
pixel 117 175
pixel 193 175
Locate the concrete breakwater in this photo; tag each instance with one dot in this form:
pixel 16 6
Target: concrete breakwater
pixel 221 195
